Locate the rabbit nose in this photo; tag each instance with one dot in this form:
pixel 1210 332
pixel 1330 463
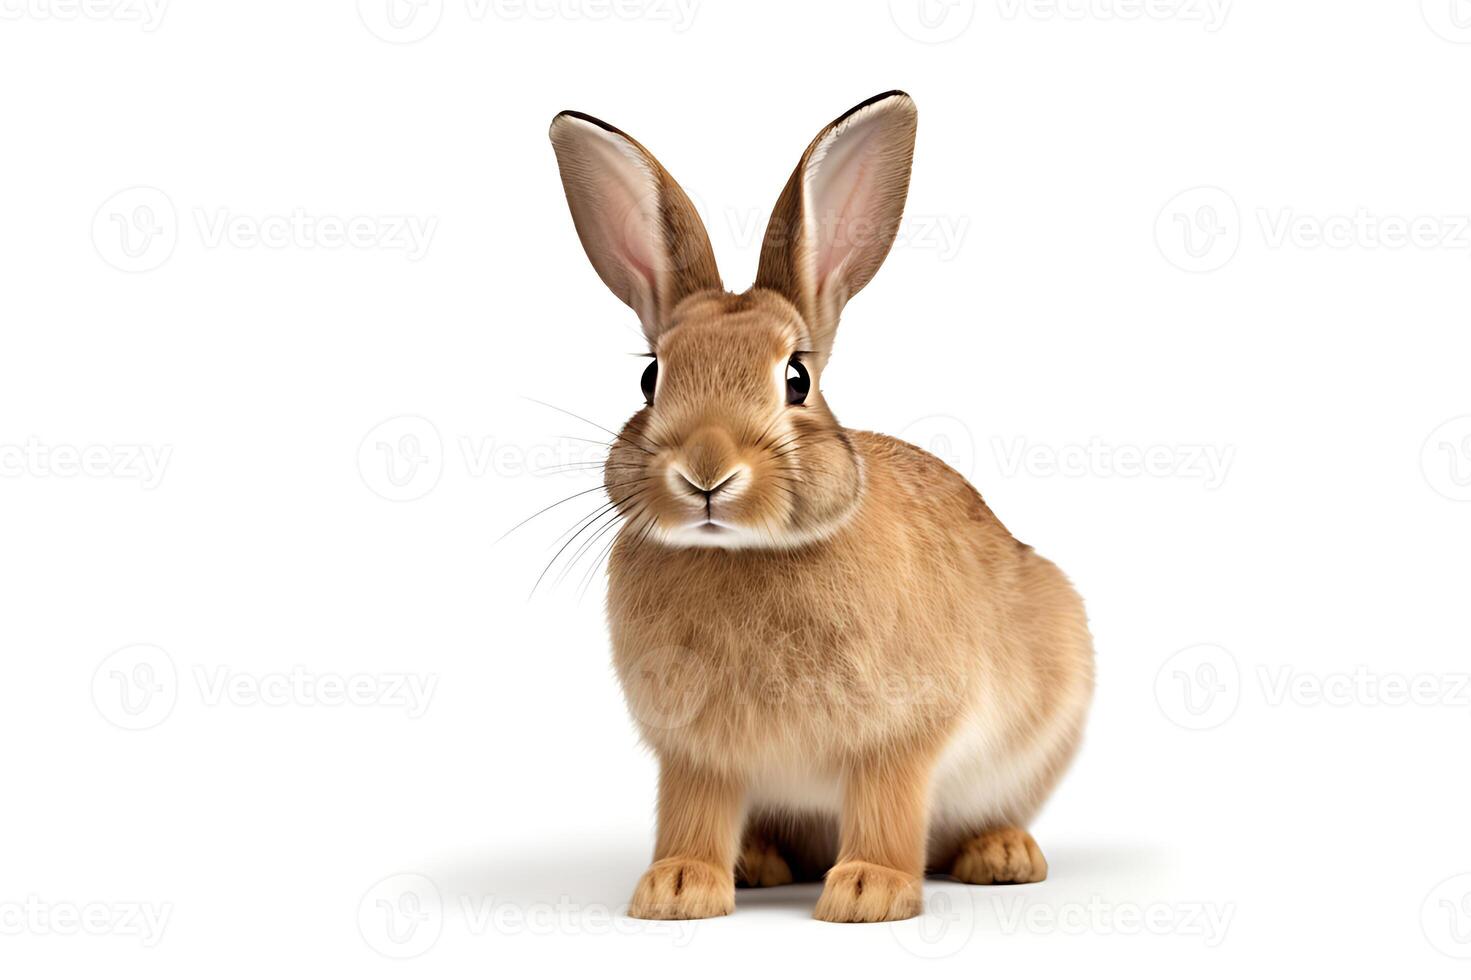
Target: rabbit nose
pixel 706 457
pixel 704 491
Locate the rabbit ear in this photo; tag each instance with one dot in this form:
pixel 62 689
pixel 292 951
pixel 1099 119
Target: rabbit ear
pixel 636 224
pixel 839 213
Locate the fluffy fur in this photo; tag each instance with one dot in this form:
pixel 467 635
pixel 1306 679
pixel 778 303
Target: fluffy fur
pixel 847 667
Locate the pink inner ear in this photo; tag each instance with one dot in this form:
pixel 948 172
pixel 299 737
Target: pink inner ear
pixel 627 195
pixel 843 202
pixel 638 257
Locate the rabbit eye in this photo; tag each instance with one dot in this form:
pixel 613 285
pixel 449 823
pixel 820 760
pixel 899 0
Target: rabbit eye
pixel 799 382
pixel 651 375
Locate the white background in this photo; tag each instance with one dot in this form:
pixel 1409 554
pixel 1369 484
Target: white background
pixel 339 432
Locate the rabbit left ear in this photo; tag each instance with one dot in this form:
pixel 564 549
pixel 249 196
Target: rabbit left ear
pixel 839 213
pixel 638 227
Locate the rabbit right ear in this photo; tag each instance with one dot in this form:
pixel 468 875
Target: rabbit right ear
pixel 638 228
pixel 840 211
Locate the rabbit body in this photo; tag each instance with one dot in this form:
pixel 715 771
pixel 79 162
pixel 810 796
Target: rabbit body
pixel 846 665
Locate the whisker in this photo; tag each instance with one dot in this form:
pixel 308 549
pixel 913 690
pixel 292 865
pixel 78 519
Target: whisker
pixel 592 442
pixel 592 569
pixel 559 503
pixel 650 522
pixel 616 436
pixel 577 533
pixel 597 513
pixel 602 556
pixel 571 563
pixel 570 467
pixel 586 544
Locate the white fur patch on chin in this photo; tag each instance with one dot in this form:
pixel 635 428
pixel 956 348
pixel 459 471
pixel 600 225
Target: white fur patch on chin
pixel 727 536
pixel 730 537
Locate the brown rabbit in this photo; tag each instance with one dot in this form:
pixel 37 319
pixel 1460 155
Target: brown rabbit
pixel 847 667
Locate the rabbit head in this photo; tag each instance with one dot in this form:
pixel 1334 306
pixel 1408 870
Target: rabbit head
pixel 735 446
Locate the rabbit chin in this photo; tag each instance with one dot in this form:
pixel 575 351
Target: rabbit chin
pixel 719 534
pixel 736 537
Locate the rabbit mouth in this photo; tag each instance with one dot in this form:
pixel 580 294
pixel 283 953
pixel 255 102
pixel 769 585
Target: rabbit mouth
pixel 712 532
pixel 705 528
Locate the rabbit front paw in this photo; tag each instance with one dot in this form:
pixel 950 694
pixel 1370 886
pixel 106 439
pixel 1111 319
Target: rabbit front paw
pixel 857 891
pixel 1005 856
pixel 683 888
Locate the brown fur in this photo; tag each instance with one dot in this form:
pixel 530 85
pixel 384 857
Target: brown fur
pixel 843 660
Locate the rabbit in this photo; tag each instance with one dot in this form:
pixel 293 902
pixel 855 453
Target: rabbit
pixel 846 666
